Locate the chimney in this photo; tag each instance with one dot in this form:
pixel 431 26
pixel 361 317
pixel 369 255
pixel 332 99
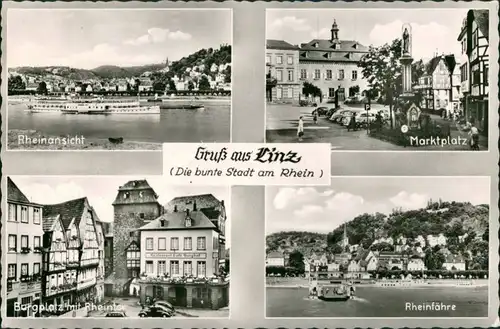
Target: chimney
pixel 187 212
pixel 194 206
pixel 175 208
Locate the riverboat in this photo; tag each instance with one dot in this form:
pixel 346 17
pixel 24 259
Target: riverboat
pixel 401 283
pixel 91 107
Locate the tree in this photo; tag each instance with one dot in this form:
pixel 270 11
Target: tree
pixel 204 83
pixel 190 85
pixel 171 86
pixel 42 88
pixel 382 69
pixel 296 260
pixel 159 86
pixel 16 83
pixel 308 89
pixel 137 84
pixel 227 74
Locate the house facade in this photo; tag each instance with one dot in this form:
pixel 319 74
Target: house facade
pixel 282 64
pixel 23 258
pixel 440 85
pixel 275 258
pixel 332 65
pixel 80 223
pixel 180 260
pixel 475 34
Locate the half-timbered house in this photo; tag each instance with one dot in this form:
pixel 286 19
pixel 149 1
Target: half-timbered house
pixel 80 223
pixel 59 280
pixel 476 30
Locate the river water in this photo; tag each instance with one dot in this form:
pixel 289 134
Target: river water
pixel 191 126
pixel 379 302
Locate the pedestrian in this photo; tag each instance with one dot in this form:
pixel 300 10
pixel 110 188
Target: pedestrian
pixel 474 137
pixel 315 117
pixel 300 129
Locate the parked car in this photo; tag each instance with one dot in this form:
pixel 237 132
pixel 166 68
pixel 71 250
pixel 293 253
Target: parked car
pixel 363 118
pixel 320 111
pixel 155 312
pixel 165 304
pixel 116 314
pixel 346 117
pixel 338 115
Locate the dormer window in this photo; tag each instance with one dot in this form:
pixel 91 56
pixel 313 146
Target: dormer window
pixel 334 46
pixel 140 194
pixel 316 45
pixel 355 46
pixel 126 195
pixel 189 222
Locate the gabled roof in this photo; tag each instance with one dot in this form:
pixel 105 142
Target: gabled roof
pixel 48 222
pixel 14 194
pixel 280 45
pixel 67 211
pixel 449 61
pixel 275 254
pixel 176 221
pixel 482 18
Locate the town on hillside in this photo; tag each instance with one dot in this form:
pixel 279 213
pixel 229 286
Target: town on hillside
pixel 341 88
pixel 458 251
pixel 207 71
pixel 151 260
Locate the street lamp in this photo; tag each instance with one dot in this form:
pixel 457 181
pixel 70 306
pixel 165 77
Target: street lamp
pixel 367 109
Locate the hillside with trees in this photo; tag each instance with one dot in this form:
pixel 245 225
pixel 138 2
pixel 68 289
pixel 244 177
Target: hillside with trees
pixel 464 225
pixel 206 57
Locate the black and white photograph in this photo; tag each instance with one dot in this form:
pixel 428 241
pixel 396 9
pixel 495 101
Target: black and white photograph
pixel 378 79
pixel 381 247
pixel 117 79
pixel 119 247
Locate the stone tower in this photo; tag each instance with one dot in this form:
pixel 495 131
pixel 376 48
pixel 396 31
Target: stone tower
pixel 135 205
pixel 335 32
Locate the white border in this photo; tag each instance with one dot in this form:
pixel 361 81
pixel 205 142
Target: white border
pixel 491 12
pixel 4 242
pixel 5 54
pixel 490 258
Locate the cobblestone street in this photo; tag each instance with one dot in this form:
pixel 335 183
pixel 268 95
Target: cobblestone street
pixel 282 123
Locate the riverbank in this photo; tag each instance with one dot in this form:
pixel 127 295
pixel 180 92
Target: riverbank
pixel 296 283
pixel 33 140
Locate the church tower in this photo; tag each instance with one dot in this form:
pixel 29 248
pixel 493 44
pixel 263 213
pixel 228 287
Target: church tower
pixel 136 204
pixel 334 32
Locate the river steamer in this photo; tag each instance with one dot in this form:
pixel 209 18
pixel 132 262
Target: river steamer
pixel 92 107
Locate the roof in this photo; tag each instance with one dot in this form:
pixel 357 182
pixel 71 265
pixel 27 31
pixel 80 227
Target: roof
pixel 332 51
pixel 280 44
pixel 431 66
pixel 48 222
pixel 14 194
pixel 275 254
pixel 454 259
pixel 482 18
pixel 340 46
pixel 66 210
pixel 107 228
pixel 207 203
pixel 362 255
pixel 139 191
pixel 176 221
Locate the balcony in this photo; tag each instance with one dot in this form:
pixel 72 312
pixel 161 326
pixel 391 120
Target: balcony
pixel 25 250
pixel 57 289
pixel 85 283
pixel 94 262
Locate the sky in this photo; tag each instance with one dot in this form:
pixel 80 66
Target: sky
pixel 433 30
pixel 90 38
pixel 322 209
pixel 101 191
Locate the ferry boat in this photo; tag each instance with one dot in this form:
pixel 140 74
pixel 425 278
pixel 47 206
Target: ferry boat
pixel 91 107
pixel 333 292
